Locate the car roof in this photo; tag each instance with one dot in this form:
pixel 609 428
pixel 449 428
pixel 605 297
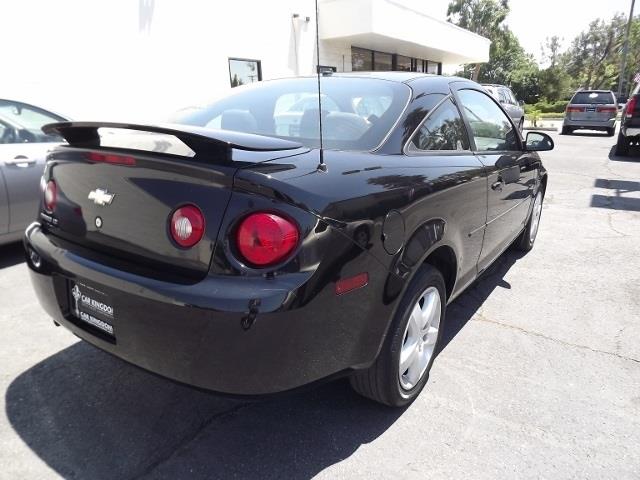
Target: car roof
pixel 593 91
pixel 401 77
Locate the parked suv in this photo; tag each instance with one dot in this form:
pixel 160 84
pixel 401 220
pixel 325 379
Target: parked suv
pixel 507 99
pixel 591 110
pixel 629 124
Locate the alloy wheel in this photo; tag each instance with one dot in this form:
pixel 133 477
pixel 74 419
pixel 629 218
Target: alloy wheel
pixel 420 337
pixel 535 217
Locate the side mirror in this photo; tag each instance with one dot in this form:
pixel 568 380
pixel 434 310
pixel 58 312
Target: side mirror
pixel 538 142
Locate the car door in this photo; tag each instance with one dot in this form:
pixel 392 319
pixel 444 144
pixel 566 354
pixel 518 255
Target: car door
pixel 441 148
pixel 23 150
pixel 511 172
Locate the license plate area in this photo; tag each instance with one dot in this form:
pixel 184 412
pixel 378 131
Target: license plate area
pixel 91 309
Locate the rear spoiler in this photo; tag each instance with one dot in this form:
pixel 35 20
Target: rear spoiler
pixel 203 141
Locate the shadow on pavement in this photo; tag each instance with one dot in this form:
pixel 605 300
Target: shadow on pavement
pixel 466 305
pixel 90 415
pixel 11 255
pixel 617 201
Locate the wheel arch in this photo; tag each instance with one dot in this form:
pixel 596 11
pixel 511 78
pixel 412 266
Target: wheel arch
pixel 444 259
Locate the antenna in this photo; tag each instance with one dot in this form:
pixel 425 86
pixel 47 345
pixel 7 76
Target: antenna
pixel 321 165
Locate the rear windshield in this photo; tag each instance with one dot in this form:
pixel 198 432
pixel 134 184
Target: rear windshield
pixel 593 97
pixel 357 113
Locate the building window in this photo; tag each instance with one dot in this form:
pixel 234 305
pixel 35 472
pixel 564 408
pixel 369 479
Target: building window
pixel 243 71
pixel 364 60
pixel 404 64
pixel 382 61
pixel 432 67
pixel 361 59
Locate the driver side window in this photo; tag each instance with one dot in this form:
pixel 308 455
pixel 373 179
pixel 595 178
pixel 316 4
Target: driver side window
pixel 492 130
pixel 24 123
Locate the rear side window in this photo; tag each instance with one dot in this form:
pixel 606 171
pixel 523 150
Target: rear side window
pixel 593 97
pixel 442 130
pixel 491 128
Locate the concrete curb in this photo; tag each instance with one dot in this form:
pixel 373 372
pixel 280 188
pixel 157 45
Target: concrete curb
pixel 542 129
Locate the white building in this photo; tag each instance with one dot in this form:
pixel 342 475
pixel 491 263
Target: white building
pixel 143 59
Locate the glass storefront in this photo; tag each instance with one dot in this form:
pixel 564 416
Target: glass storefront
pixel 365 60
pixel 382 61
pixel 361 60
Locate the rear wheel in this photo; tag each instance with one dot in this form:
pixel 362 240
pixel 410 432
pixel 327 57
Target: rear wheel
pixel 622 146
pixel 527 238
pixel 566 130
pixel 402 368
pixel 611 132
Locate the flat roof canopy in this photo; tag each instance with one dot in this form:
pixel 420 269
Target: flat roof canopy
pixel 388 26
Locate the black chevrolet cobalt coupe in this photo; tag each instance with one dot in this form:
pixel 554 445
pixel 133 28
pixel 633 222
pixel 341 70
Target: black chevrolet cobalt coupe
pixel 229 252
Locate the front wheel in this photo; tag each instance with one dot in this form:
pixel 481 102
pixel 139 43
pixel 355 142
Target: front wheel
pixel 402 368
pixel 527 238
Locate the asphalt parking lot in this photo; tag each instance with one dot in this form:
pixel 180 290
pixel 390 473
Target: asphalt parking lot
pixel 539 377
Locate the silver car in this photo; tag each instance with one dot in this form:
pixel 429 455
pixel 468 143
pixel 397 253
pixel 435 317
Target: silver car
pixel 507 99
pixel 592 110
pixel 23 148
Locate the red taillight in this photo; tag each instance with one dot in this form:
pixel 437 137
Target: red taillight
pixel 571 109
pixel 187 226
pixel 631 106
pixel 265 239
pixel 607 110
pixel 50 196
pixel 110 158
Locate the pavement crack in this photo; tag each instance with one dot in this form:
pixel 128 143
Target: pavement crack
pixel 480 318
pixel 188 439
pixel 612 228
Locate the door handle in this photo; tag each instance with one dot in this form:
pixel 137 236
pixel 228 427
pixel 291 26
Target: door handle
pixel 497 186
pixel 20 161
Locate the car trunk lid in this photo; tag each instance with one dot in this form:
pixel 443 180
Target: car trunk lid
pixel 118 185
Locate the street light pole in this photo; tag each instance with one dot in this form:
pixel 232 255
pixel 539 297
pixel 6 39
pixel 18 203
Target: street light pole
pixel 625 49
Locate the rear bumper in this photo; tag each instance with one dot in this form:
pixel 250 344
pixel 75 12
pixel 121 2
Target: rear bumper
pixel 590 124
pixel 194 333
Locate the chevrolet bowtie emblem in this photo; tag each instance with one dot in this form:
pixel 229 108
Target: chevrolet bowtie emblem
pixel 101 197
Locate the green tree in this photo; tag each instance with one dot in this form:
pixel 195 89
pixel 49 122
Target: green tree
pixel 593 59
pixel 484 17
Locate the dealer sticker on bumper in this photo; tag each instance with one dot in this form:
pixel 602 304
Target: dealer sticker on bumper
pixel 92 307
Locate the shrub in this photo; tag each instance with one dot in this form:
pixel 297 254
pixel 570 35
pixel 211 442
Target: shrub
pixel 545 107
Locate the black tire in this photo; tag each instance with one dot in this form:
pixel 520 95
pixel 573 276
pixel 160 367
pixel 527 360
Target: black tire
pixel 566 131
pixel 381 381
pixel 611 132
pixel 622 146
pixel 525 241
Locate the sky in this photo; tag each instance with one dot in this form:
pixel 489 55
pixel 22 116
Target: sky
pixel 534 20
